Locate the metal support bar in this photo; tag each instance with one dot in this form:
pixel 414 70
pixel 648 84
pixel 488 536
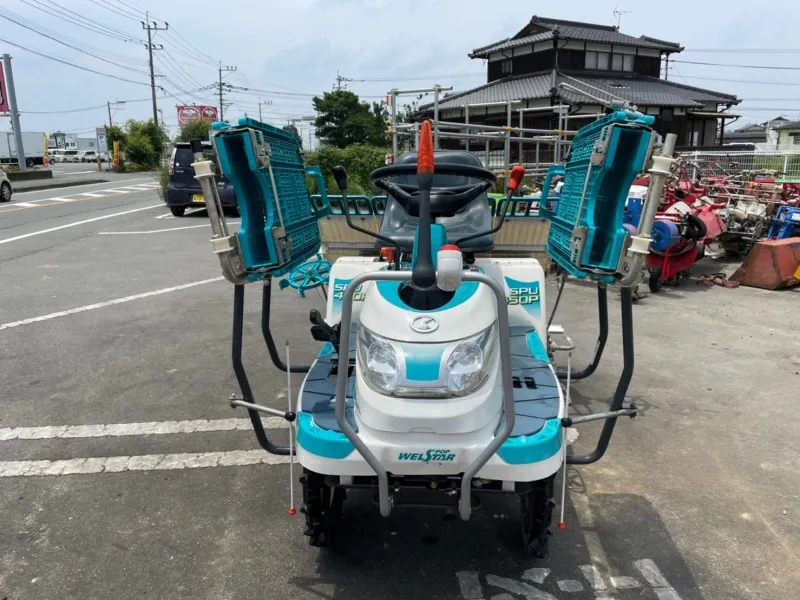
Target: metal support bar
pixel 384 501
pixel 289 416
pixel 266 303
pixel 610 414
pixel 602 311
pixel 466 122
pixel 435 117
pixel 454 125
pixel 241 375
pixel 394 125
pixel 626 309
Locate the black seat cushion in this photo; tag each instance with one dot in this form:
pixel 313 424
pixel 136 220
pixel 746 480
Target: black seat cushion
pixel 399 226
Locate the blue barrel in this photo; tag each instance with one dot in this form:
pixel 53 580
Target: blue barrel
pixel 665 235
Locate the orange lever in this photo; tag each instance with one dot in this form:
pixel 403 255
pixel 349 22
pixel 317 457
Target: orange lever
pixel 425 153
pixel 515 178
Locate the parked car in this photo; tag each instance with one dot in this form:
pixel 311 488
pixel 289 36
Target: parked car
pixel 90 156
pixel 184 191
pixel 5 187
pixel 64 156
pixel 55 156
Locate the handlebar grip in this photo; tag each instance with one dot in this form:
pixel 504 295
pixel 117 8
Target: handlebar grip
pixel 553 171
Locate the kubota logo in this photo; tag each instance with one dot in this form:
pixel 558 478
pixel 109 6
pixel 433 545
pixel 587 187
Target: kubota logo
pixel 432 455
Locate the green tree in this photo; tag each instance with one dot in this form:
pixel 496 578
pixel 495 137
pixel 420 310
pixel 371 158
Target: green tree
pixel 344 120
pixel 194 130
pixel 140 151
pixel 359 160
pixel 115 134
pixel 155 133
pixel 293 130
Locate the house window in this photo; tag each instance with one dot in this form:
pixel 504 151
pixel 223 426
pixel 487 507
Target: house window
pixel 627 62
pixel 603 60
pixel 506 67
pixel 795 139
pixel 591 61
pixel 616 62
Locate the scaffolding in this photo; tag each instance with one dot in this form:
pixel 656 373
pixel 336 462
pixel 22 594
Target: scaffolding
pixel 536 148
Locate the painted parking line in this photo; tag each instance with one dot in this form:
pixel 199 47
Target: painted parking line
pixel 146 462
pixel 469 583
pixel 72 187
pixel 160 230
pixel 42 202
pixel 75 224
pixel 151 231
pixel 191 211
pixel 57 432
pixel 80 309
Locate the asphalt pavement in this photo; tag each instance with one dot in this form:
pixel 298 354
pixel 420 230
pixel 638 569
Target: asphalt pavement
pixel 124 473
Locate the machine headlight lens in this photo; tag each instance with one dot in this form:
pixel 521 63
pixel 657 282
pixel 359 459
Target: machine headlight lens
pixel 379 361
pixel 467 367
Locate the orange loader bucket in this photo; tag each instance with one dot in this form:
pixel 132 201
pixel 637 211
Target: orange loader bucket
pixel 771 265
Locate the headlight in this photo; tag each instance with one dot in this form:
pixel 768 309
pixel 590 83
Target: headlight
pixel 379 361
pixel 467 367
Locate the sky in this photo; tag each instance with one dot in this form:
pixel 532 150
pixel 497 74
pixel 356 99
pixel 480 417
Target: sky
pixel 286 52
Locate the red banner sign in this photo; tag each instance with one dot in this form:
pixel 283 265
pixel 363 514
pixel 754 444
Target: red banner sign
pixel 187 114
pixel 3 92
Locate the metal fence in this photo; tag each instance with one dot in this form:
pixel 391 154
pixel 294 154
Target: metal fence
pixel 705 164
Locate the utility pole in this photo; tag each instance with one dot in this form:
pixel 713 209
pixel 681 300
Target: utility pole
pixel 12 107
pixel 226 69
pixel 116 105
pixel 151 28
pixel 260 104
pixel 339 80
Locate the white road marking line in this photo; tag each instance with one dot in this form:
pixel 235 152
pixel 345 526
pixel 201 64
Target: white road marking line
pixel 50 230
pixel 147 462
pixel 61 199
pixel 160 230
pixel 537 575
pixel 652 574
pixel 80 186
pixel 56 432
pixel 142 187
pixel 116 191
pixel 80 309
pixel 91 195
pixel 622 583
pixel 515 587
pixel 188 212
pixel 152 231
pixel 470 585
pixel 28 204
pixel 570 585
pixel 592 575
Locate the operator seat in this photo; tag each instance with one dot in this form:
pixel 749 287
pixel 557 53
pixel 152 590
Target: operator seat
pixel 473 218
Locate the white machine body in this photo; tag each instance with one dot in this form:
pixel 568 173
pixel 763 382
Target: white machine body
pixel 438 435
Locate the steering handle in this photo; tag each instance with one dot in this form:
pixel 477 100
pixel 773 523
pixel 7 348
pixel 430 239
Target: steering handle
pixel 439 169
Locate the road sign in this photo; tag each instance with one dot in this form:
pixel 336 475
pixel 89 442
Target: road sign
pixel 3 92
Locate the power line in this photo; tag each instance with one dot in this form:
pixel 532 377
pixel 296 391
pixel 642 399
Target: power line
pixel 81 47
pixel 43 55
pixel 709 64
pixel 108 6
pixel 743 81
pixel 418 78
pixel 74 18
pixel 746 50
